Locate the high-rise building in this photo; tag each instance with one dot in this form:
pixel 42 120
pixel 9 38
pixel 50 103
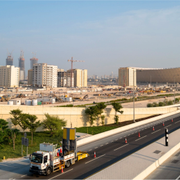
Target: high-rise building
pixel 9 60
pixel 80 77
pixel 33 61
pixel 127 77
pixel 9 76
pixel 30 77
pixel 64 79
pixel 21 66
pixel 44 75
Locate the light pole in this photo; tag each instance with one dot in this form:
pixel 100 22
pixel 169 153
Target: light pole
pixel 133 98
pixel 174 89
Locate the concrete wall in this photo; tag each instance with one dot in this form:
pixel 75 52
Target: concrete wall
pixel 77 116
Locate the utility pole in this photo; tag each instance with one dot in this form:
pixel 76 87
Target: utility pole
pixel 71 60
pixel 174 89
pixel 133 98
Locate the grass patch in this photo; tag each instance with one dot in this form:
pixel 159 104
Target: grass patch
pixel 39 137
pixel 99 129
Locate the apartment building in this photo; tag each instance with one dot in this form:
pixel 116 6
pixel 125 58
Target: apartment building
pixel 44 75
pixel 80 77
pixel 127 76
pixel 64 79
pixel 9 76
pixel 30 77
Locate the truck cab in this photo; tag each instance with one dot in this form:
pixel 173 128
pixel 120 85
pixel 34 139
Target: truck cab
pixel 40 163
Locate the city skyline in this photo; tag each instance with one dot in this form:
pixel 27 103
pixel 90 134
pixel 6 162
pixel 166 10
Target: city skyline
pixel 106 35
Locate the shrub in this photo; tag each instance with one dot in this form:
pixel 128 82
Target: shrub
pixel 155 104
pixel 149 105
pixel 161 104
pixel 170 102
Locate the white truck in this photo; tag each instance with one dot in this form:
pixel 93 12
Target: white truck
pixel 50 159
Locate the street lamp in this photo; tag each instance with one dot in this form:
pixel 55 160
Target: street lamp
pixel 133 98
pixel 174 90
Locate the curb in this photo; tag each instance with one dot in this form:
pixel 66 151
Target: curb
pixel 157 163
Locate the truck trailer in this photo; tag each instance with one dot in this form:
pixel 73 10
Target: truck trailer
pixel 51 159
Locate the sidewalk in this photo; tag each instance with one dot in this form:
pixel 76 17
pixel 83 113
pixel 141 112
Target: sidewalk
pixel 141 163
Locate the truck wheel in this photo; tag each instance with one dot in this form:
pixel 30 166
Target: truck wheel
pixel 68 163
pixel 48 171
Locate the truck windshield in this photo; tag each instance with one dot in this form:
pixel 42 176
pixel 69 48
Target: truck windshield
pixel 37 158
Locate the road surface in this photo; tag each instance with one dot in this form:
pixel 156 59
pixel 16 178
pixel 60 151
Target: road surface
pixel 112 150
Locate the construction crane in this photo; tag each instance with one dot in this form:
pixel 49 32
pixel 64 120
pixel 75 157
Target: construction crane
pixel 71 60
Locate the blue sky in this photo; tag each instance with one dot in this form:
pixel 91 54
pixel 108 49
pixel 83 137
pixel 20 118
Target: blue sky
pixel 105 34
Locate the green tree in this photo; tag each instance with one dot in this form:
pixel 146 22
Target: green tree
pixel 117 107
pixel 14 133
pixel 92 112
pixel 23 118
pixel 32 124
pixel 16 116
pixel 161 104
pixel 155 104
pixel 5 134
pixel 102 119
pixel 176 100
pixel 149 105
pixel 54 124
pixel 170 102
pixel 101 106
pixel 116 118
pixel 15 120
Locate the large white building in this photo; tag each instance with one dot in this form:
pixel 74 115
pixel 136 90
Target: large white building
pixel 9 76
pixel 45 75
pixel 127 76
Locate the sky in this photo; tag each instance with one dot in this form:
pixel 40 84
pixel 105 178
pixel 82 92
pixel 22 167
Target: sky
pixel 106 35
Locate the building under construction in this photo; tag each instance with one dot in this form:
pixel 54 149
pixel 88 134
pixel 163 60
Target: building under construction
pixel 64 79
pixel 33 61
pixel 9 60
pixel 21 66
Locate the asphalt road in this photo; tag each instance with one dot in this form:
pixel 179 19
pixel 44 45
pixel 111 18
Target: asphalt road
pixel 112 150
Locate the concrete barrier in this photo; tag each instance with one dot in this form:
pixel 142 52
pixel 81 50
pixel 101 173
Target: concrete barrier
pixel 76 116
pixel 124 128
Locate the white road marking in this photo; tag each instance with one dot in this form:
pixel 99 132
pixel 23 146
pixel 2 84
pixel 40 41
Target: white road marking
pixel 95 159
pixel 178 177
pixel 90 150
pixel 177 122
pixel 102 145
pixel 120 147
pixel 140 138
pixel 95 147
pixel 169 125
pixel 60 174
pixel 155 131
pixel 116 139
pixel 107 143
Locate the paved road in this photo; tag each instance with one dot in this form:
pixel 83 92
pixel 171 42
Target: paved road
pixel 112 150
pixel 170 169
